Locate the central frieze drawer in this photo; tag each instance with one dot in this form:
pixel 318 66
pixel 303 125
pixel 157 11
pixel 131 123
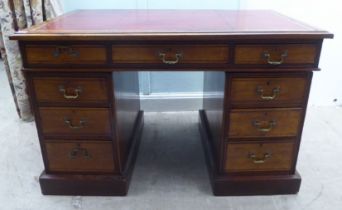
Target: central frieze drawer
pixel 246 123
pixel 259 157
pixel 65 54
pixel 75 121
pixel 169 55
pixel 75 156
pixel 266 91
pixel 275 55
pixel 70 90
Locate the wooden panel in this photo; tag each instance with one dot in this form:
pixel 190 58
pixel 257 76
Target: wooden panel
pixel 186 53
pixel 268 91
pixel 264 122
pixel 127 107
pixel 293 54
pixel 71 90
pixel 69 54
pixel 75 121
pixel 259 157
pixel 213 106
pixel 76 156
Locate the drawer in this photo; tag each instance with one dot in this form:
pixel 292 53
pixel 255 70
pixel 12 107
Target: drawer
pixel 169 55
pixel 75 121
pixel 259 157
pixel 75 156
pixel 70 90
pixel 69 54
pixel 268 91
pixel 247 123
pixel 275 55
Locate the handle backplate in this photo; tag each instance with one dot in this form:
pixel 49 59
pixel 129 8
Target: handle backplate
pixel 71 125
pixel 78 151
pixel 259 125
pixel 178 56
pixel 75 95
pixel 269 60
pixel 59 50
pixel 275 93
pixel 259 160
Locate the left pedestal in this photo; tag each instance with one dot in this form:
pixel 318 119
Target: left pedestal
pixel 89 126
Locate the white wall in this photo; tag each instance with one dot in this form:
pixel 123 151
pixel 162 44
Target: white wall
pixel 149 4
pixel 327 15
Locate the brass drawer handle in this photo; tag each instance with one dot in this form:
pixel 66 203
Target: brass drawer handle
pixel 260 92
pixel 267 55
pixel 72 126
pixel 170 62
pixel 76 91
pixel 65 50
pixel 258 160
pixel 258 124
pixel 79 151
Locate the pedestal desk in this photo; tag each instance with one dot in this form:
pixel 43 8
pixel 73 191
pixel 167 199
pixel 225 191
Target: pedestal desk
pixel 82 69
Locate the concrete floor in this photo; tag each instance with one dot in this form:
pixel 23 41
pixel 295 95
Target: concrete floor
pixel 170 172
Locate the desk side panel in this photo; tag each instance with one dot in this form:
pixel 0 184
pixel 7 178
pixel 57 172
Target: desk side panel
pixel 213 106
pixel 127 107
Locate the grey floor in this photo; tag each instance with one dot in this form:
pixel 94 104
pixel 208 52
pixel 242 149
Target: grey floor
pixel 170 172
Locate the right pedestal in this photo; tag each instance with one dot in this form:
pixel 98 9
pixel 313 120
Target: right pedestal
pixel 244 184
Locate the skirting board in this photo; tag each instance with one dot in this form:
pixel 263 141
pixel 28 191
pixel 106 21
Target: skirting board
pixel 165 102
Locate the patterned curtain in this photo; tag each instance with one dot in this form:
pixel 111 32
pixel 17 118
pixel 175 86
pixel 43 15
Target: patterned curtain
pixel 16 15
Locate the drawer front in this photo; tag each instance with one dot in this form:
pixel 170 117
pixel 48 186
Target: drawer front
pixel 70 90
pixel 268 91
pixel 259 157
pixel 73 156
pixel 169 55
pixel 264 123
pixel 275 55
pixel 75 121
pixel 73 54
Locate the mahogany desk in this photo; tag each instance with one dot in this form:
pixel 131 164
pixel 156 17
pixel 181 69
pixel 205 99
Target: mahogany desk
pixel 82 76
